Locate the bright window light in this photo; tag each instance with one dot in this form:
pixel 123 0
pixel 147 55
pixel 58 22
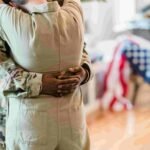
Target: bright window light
pixel 124 11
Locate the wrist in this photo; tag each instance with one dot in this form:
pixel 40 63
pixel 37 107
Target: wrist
pixel 42 90
pixel 85 75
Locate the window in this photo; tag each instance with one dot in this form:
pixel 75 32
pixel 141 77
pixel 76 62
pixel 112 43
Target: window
pixel 124 11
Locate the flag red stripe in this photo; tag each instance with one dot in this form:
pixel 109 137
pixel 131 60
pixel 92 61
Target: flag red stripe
pixel 112 103
pixel 110 67
pixel 121 77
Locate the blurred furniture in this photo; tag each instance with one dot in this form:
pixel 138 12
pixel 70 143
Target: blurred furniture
pixel 139 91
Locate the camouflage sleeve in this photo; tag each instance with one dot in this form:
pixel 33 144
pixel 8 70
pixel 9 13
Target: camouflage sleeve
pixel 14 81
pixel 86 64
pixel 3 58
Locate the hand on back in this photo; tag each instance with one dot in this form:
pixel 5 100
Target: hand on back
pixel 63 84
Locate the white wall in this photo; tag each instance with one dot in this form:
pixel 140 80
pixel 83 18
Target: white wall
pixel 123 11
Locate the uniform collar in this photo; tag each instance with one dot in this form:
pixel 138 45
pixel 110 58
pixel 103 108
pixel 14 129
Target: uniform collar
pixel 50 6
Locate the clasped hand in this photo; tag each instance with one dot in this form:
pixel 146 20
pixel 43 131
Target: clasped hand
pixel 64 83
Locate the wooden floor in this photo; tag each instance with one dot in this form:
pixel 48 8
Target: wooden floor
pixel 121 131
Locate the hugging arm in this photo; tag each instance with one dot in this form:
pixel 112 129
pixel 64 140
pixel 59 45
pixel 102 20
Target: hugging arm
pixel 19 82
pixel 14 79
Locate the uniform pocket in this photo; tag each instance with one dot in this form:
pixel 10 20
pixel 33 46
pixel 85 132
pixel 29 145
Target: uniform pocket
pixel 33 127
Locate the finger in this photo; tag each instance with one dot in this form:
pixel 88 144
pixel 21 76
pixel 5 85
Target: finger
pixel 75 70
pixel 63 77
pixel 69 77
pixel 63 91
pixel 67 74
pixel 61 86
pixel 77 76
pixel 68 81
pixel 62 73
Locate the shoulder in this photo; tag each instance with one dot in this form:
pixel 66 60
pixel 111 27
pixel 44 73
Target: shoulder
pixel 8 11
pixel 73 7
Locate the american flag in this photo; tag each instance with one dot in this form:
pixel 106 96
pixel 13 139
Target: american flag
pixel 129 55
pixel 139 59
